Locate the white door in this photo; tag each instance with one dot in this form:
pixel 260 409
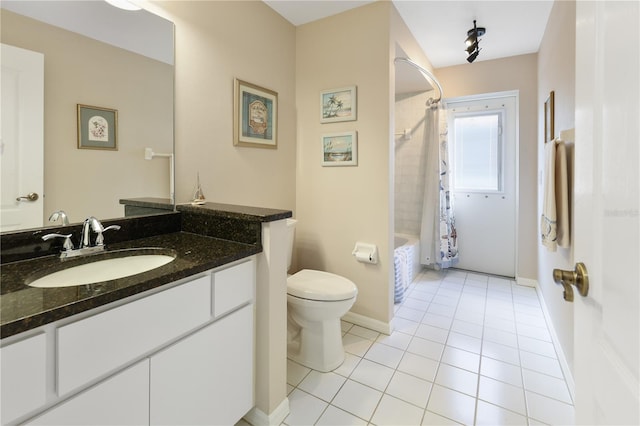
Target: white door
pixel 483 143
pixel 21 139
pixel 606 213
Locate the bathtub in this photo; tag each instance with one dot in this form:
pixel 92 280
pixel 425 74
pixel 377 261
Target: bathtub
pixel 406 260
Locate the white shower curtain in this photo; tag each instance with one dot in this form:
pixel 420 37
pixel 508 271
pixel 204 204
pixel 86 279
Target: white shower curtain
pixel 438 236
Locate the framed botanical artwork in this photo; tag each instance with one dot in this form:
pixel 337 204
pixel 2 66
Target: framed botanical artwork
pixel 338 105
pixel 340 149
pixel 97 128
pixel 549 131
pixel 255 116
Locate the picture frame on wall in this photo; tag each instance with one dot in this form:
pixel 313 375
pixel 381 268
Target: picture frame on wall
pixel 338 105
pixel 97 128
pixel 549 131
pixel 340 149
pixel 255 116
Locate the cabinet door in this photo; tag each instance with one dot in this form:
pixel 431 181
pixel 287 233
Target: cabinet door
pixel 207 378
pixel 120 400
pixel 23 376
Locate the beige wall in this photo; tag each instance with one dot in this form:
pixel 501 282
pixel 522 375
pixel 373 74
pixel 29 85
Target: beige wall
pixel 79 70
pixel 514 73
pixel 217 41
pixel 337 206
pixel 556 71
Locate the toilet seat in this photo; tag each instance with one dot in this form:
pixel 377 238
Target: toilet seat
pixel 320 285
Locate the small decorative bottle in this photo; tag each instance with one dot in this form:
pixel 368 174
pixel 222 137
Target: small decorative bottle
pixel 198 195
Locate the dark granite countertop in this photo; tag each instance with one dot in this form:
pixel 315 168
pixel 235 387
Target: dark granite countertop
pixel 23 308
pixel 232 211
pixel 157 203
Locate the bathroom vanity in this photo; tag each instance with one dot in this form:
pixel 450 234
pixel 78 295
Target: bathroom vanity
pixel 174 345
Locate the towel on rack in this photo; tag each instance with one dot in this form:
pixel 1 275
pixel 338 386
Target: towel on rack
pixel 562 195
pixel 554 223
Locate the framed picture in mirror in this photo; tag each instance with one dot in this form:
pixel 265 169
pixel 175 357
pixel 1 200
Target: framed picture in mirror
pixel 97 128
pixel 255 116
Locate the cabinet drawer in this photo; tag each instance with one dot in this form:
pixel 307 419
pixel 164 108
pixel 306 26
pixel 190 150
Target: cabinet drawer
pixel 97 345
pixel 120 400
pixel 23 376
pixel 233 287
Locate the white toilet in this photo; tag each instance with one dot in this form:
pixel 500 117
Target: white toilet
pixel 316 301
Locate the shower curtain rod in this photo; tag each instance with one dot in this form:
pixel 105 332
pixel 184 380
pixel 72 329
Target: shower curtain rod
pixel 432 79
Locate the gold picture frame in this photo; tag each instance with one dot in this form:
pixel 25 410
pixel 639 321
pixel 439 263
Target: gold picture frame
pixel 255 116
pixel 549 131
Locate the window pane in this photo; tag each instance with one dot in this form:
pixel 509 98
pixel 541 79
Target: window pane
pixel 477 149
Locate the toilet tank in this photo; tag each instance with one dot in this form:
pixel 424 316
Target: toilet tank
pixel 291 228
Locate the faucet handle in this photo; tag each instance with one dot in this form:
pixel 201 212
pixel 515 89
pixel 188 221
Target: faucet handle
pixel 67 245
pixel 100 238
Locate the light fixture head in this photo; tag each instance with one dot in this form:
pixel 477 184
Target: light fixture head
pixel 471 40
pixel 473 56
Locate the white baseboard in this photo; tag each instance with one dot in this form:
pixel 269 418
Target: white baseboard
pixel 257 417
pixel 370 323
pixel 527 282
pixel 564 365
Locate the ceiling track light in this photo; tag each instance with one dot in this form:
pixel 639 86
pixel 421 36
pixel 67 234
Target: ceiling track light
pixel 473 41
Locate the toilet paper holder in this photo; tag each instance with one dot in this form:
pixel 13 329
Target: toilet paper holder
pixel 365 253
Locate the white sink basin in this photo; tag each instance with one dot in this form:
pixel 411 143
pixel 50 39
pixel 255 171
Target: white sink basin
pixel 102 270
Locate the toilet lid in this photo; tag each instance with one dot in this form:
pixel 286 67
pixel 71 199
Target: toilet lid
pixel 319 285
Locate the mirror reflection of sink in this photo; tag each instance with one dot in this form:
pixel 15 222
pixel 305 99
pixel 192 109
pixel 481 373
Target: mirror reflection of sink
pixel 104 267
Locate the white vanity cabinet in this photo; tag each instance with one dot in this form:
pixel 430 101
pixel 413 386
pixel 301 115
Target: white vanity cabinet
pixel 181 355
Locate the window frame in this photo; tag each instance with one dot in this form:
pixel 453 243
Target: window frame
pixel 500 112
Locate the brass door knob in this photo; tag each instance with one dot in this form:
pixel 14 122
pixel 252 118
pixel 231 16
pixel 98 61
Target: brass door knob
pixel 578 278
pixel 32 196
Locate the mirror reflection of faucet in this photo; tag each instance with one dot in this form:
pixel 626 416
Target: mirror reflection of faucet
pixel 59 214
pixel 90 224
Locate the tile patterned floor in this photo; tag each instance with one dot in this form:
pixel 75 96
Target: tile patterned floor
pixel 467 349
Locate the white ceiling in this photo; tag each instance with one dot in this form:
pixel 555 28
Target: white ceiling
pixel 514 27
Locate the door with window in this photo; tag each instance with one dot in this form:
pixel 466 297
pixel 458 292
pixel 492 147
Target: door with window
pixel 483 144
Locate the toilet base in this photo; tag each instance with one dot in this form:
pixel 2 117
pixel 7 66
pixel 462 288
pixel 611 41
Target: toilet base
pixel 317 346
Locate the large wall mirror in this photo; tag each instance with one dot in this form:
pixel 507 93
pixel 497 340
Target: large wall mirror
pixel 100 56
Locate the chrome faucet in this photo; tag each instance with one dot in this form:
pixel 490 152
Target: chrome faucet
pixel 59 214
pixel 93 224
pixel 90 224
